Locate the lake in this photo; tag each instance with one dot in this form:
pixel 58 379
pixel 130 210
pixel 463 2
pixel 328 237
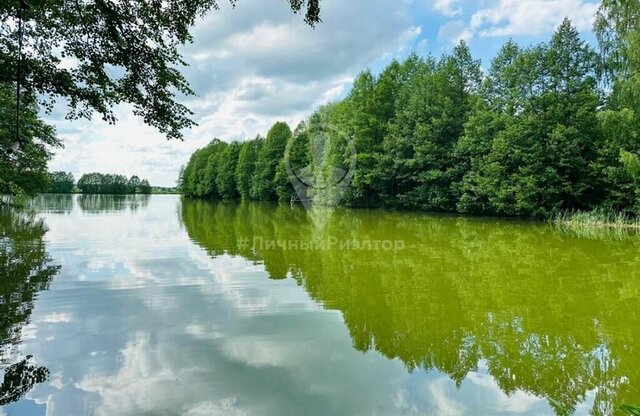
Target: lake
pixel 150 305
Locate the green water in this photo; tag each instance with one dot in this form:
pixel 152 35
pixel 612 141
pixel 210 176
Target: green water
pixel 153 306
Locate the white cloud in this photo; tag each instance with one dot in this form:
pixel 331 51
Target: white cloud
pixel 531 17
pixel 129 147
pixel 454 32
pixel 448 7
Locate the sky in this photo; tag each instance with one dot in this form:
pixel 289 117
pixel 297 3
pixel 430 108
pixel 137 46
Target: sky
pixel 258 63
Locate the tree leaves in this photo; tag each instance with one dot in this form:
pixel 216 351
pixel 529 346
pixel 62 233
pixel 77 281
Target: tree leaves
pixel 99 53
pixel 530 138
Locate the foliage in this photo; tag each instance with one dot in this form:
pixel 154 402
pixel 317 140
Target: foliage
pixel 99 183
pixel 246 166
pixel 618 30
pixel 615 21
pixel 530 146
pixel 263 185
pixel 298 161
pixel 61 182
pixel 23 170
pixel 225 178
pixel 120 52
pixel 535 136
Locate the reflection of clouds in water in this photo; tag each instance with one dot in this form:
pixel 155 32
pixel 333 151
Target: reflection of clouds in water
pixel 166 328
pixel 401 400
pixel 224 407
pixel 518 402
pixel 246 286
pixel 56 381
pixel 56 317
pixel 29 332
pixel 261 352
pixel 200 331
pixel 442 401
pixel 150 253
pixel 140 377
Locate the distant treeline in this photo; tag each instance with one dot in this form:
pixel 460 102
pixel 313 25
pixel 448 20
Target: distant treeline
pixel 548 128
pixel 98 183
pixel 61 182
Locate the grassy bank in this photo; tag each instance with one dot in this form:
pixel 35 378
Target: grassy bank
pixel 598 218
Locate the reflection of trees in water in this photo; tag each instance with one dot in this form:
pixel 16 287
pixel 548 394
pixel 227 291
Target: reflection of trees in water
pixel 58 203
pixel 25 269
pixel 97 203
pixel 64 203
pixel 19 378
pixel 549 313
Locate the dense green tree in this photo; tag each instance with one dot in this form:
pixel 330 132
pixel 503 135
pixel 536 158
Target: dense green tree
pixel 190 174
pixel 134 184
pixel 271 152
pixel 324 155
pixel 225 179
pixel 180 181
pixel 367 130
pixel 246 166
pixel 145 187
pixel 432 111
pixel 370 108
pixel 618 30
pixel 536 135
pixel 99 183
pixel 208 185
pixel 479 173
pixel 90 183
pixel 23 156
pixel 119 184
pixel 616 23
pixel 570 106
pixel 529 147
pixel 201 171
pixel 61 182
pixel 140 40
pixel 298 159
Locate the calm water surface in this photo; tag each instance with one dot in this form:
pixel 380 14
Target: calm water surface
pixel 153 306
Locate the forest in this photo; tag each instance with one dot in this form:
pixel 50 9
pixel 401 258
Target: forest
pixel 546 128
pixel 97 183
pixel 100 183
